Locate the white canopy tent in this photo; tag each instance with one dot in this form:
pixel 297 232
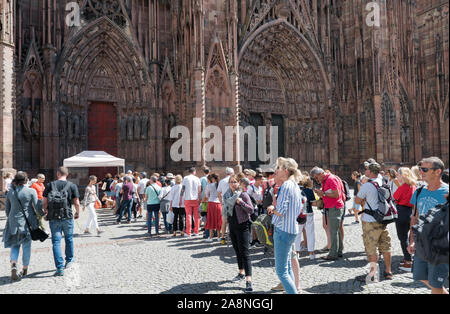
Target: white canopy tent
pixel 92 159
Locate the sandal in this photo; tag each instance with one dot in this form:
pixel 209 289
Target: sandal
pixel 329 258
pixel 388 276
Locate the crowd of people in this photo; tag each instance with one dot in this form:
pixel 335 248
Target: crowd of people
pixel 229 209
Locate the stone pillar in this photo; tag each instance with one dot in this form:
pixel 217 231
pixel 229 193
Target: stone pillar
pixel 6 87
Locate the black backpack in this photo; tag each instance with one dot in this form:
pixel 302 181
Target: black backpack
pixel 59 207
pixel 431 235
pixel 268 196
pixel 346 190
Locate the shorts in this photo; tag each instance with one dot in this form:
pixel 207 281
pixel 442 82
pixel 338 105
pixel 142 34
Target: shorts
pixel 376 235
pixel 435 274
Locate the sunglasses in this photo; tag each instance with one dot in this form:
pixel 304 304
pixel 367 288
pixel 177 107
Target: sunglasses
pixel 425 170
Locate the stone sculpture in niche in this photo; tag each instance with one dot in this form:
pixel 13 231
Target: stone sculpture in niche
pixel 144 127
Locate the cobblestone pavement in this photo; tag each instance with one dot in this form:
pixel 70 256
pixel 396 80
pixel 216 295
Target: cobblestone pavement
pixel 123 260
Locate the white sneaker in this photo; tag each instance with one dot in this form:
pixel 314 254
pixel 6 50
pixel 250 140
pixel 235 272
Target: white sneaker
pixel 209 240
pixel 186 235
pixel 196 235
pixel 312 257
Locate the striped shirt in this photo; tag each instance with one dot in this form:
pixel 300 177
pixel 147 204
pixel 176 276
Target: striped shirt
pixel 289 205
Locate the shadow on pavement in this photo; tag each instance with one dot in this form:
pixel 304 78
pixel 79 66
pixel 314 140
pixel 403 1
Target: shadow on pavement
pixel 336 287
pixel 201 288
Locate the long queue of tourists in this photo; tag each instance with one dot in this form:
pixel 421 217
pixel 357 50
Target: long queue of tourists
pixel 274 208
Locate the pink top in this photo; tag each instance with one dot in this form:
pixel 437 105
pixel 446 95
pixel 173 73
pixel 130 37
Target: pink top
pixel 333 183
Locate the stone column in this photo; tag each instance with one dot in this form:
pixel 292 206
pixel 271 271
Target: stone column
pixel 6 87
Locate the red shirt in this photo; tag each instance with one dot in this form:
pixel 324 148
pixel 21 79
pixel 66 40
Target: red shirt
pixel 404 194
pixel 331 182
pixel 159 184
pixel 39 187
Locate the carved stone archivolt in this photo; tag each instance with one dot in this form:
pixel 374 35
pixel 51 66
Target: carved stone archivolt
pixel 94 9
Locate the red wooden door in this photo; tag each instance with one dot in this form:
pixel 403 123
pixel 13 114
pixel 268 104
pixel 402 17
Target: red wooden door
pixel 102 134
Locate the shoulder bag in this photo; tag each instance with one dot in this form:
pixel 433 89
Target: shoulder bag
pixel 36 234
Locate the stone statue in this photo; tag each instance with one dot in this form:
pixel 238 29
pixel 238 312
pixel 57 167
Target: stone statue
pixel 144 127
pixel 27 120
pixel 316 133
pixel 340 131
pixel 35 127
pixel 172 121
pixel 137 127
pixel 69 127
pixel 123 129
pixel 130 126
pixel 76 126
pixel 308 133
pixel 62 124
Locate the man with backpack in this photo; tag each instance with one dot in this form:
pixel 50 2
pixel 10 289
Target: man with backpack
pixel 59 196
pixel 375 234
pixel 426 199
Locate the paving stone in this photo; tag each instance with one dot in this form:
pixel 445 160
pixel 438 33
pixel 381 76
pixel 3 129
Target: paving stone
pixel 117 262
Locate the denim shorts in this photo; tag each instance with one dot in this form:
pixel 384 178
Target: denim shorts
pixel 435 274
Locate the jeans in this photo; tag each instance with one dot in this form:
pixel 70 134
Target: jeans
pixel 26 253
pixel 334 222
pixel 402 224
pixel 166 224
pixel 153 210
pixel 282 247
pixel 239 234
pixel 58 228
pixel 125 205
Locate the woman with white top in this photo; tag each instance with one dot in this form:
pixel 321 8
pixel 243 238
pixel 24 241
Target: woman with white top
pixel 177 207
pixel 165 203
pixel 90 197
pixel 286 228
pixel 214 217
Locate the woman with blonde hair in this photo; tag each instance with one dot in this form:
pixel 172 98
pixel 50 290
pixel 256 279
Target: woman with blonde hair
pixel 416 171
pixel 402 199
pixel 286 228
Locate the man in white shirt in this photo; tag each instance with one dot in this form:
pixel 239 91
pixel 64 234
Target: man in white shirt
pixel 375 235
pixel 192 191
pixel 141 191
pixel 221 190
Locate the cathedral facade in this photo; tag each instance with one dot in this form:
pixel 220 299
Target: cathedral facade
pixel 343 80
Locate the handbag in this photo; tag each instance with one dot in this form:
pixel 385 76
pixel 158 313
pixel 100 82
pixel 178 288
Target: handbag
pixel 104 186
pixel 170 217
pixel 36 234
pixel 98 204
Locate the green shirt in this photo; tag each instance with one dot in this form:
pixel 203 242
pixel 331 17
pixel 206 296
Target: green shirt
pixel 152 193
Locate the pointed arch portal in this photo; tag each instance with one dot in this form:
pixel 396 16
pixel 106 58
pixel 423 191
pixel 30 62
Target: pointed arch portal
pixel 283 80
